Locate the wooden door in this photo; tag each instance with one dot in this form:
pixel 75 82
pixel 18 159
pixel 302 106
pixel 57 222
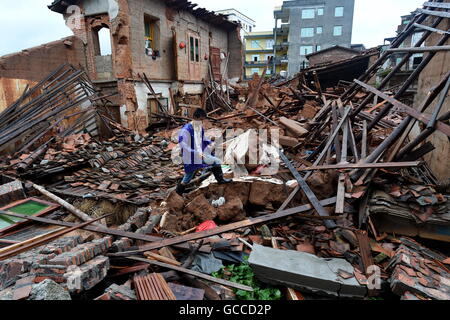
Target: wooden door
pixel 194 57
pixel 214 54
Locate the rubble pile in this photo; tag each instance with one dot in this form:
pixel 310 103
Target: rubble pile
pixel 345 214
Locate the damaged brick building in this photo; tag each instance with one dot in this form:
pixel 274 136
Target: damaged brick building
pixel 173 43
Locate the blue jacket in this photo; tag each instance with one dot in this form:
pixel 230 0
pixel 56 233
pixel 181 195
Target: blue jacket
pixel 191 159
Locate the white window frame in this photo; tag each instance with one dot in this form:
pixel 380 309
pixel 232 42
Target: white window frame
pixel 255 44
pixel 320 11
pixel 270 43
pixel 304 16
pixel 253 57
pixel 319 28
pixel 318 48
pixel 341 12
pixel 307 51
pixel 335 33
pixel 307 32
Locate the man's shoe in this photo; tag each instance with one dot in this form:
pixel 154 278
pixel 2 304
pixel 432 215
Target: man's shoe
pixel 218 174
pixel 181 188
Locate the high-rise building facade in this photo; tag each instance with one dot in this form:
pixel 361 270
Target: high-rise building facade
pixel 311 26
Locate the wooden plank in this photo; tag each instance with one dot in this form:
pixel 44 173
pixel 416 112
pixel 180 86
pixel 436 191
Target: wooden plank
pixel 365 253
pixel 420 49
pixel 441 14
pixel 27 245
pixel 444 128
pixel 154 256
pixel 364 141
pixel 219 230
pixel 438 31
pixel 195 274
pixel 307 190
pixel 78 213
pixel 352 166
pixel 104 230
pixel 340 202
pixel 437 5
pixel 331 139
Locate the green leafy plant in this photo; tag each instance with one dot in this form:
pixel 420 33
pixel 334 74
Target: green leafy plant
pixel 243 274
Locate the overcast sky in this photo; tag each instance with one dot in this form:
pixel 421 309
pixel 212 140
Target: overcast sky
pixel 28 23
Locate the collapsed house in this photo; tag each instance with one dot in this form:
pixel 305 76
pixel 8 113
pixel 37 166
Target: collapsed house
pixel 89 208
pixel 175 44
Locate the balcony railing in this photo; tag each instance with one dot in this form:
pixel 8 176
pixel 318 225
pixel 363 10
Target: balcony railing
pixel 255 63
pixel 281 60
pixel 282 46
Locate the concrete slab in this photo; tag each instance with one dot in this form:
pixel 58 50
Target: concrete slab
pixel 304 271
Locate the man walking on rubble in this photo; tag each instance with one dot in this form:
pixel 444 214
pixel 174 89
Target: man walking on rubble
pixel 196 153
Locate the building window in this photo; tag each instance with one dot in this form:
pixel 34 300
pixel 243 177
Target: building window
pixel 319 30
pixel 255 57
pixel 255 70
pixel 255 44
pixel 250 29
pixel 320 12
pixel 151 35
pixel 318 48
pixel 268 57
pixel 307 32
pixel 102 42
pixel 270 43
pixel 304 50
pixel 337 31
pixel 415 38
pixel 308 14
pixel 194 49
pixel 339 12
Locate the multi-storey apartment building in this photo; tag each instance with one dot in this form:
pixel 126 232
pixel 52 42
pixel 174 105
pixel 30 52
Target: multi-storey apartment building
pixel 247 24
pixel 311 26
pixel 258 50
pixel 259 47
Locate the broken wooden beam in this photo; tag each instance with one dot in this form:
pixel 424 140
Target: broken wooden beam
pixel 103 230
pixel 78 213
pixel 230 227
pixel 352 166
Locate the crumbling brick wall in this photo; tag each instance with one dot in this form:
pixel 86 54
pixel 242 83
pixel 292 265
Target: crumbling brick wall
pixel 32 64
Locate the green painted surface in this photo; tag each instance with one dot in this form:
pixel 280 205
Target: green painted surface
pixel 28 208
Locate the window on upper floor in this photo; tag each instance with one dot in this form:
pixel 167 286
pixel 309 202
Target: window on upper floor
pixel 256 44
pixel 308 14
pixel 151 34
pixel 337 31
pixel 318 48
pixel 102 42
pixel 194 49
pixel 307 32
pixel 320 12
pixel 304 50
pixel 339 12
pixel 319 30
pixel 415 38
pixel 270 43
pixel 255 57
pixel 250 29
